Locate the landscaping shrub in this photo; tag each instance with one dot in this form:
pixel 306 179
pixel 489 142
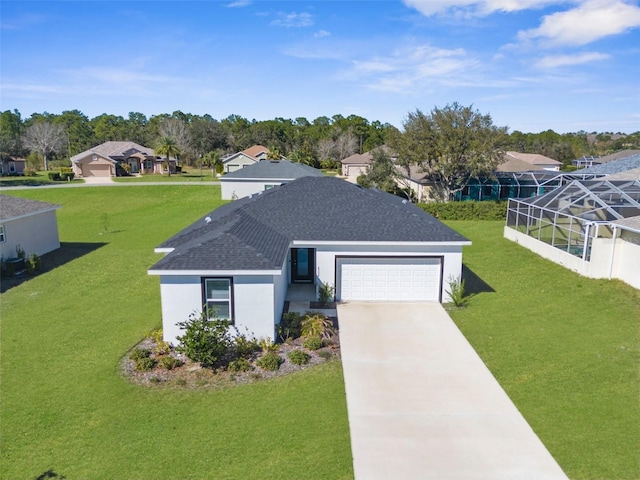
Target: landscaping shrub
pixel 467 210
pixel 169 363
pixel 33 263
pixel 145 364
pixel 317 325
pixel 268 346
pixel 270 361
pixel 30 172
pixel 457 292
pixel 298 357
pixel 240 365
pixel 246 346
pixel 326 354
pixel 66 174
pixel 139 353
pixel 312 343
pixel 325 293
pixel 54 176
pixel 205 341
pixel 290 326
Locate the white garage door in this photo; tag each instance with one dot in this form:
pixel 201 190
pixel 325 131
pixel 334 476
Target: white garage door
pixel 389 279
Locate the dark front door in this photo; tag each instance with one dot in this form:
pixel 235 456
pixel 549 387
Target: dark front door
pixel 302 265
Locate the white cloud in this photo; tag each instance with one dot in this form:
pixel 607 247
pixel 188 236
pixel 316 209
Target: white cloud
pixel 555 61
pixel 412 68
pixel 293 20
pixel 321 34
pixel 590 21
pixel 476 7
pixel 239 4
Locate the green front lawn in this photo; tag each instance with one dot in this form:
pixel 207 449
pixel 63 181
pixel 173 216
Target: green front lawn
pixel 565 348
pixel 41 178
pixel 190 174
pixel 65 406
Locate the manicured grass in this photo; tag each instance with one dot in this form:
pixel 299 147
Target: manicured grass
pixel 189 175
pixel 64 405
pixel 41 178
pixel 565 348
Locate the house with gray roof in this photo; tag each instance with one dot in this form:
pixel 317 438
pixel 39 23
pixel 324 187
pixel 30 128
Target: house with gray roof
pixel 112 159
pixel 29 224
pixel 241 260
pixel 263 176
pixel 613 167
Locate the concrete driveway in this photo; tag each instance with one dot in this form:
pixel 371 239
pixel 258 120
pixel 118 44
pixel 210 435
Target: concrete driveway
pixel 422 404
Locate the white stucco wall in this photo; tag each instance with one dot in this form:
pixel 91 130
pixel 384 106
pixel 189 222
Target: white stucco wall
pixel 244 188
pixel 253 303
pixel 36 233
pixel 180 296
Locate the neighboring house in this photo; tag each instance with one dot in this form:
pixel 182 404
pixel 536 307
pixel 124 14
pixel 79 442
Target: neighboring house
pixel 245 158
pixel 109 160
pixel 358 163
pixel 241 258
pixel 29 224
pixel 519 174
pixel 589 226
pixel 522 162
pixel 618 166
pixel 10 166
pixel 263 176
pixel 586 162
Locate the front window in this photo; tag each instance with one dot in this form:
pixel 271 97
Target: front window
pixel 217 292
pixel 2 237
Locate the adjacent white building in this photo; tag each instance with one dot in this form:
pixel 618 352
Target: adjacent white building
pixel 28 224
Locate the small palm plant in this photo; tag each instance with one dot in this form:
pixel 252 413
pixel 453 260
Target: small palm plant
pixel 457 292
pixel 317 325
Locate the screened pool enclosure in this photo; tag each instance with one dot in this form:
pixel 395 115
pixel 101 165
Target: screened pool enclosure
pixel 570 217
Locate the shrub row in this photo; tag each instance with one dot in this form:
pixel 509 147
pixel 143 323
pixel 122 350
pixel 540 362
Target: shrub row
pixel 467 210
pixel 60 177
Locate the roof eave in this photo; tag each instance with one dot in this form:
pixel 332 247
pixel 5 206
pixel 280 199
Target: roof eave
pixel 212 273
pixel 30 214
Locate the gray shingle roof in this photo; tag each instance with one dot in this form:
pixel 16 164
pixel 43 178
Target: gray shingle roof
pixel 614 166
pixel 273 170
pixel 16 207
pixel 254 233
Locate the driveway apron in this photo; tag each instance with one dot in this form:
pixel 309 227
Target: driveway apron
pixel 422 404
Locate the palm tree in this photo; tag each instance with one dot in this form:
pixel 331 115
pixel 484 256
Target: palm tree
pixel 168 147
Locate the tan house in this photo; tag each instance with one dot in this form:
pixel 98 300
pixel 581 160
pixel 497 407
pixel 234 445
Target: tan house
pixel 358 163
pixel 112 159
pixel 525 162
pixel 245 158
pixel 10 166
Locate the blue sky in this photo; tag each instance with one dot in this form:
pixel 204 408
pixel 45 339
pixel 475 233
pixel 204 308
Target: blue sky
pixel 532 64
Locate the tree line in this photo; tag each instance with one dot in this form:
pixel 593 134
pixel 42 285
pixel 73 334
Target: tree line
pixel 321 142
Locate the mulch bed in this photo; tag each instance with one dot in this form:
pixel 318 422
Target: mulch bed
pixel 193 376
